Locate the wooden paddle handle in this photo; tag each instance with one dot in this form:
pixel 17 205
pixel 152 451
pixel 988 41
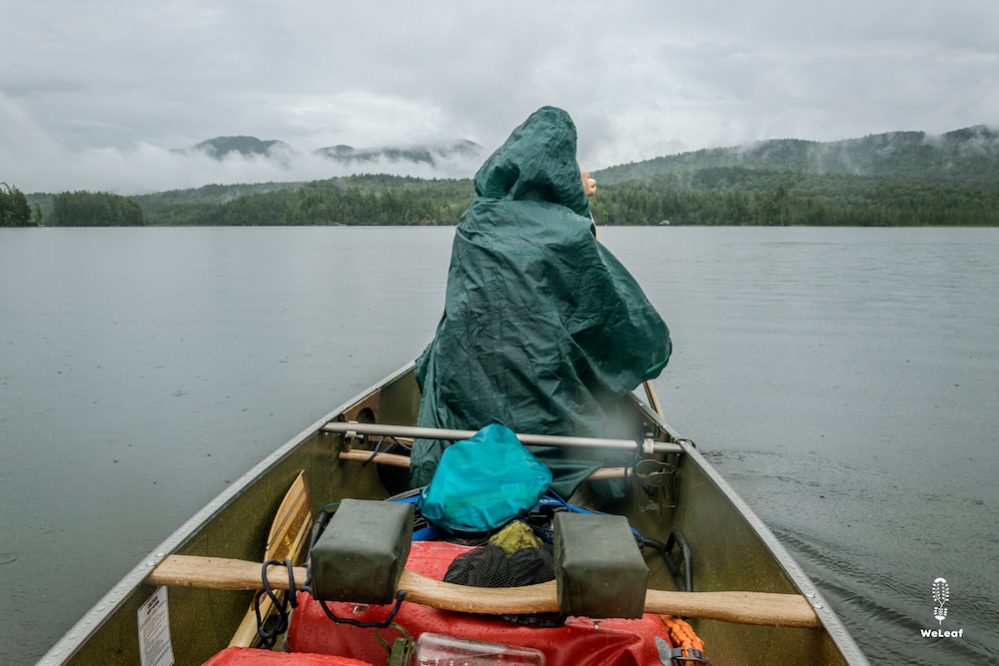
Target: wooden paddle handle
pixel 782 610
pixel 653 398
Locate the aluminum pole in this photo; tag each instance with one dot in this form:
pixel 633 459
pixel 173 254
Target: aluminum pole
pixel 384 430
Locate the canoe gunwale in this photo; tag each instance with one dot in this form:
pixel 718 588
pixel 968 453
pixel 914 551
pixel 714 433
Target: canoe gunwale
pixel 804 584
pixel 65 648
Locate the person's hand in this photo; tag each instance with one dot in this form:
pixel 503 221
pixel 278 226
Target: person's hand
pixel 589 184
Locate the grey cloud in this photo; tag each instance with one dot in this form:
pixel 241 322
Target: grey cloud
pixel 640 78
pixel 42 86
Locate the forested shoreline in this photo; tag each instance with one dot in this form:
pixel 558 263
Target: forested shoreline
pixel 737 196
pixel 893 179
pixel 94 209
pixel 720 196
pixel 14 208
pixel 716 196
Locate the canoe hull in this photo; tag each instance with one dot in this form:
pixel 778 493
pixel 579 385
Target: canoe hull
pixel 732 550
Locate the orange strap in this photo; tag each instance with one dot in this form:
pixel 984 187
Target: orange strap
pixel 681 634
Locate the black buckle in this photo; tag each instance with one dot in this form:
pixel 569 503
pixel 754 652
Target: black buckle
pixel 679 656
pixel 685 655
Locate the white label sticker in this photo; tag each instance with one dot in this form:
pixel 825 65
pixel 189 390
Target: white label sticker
pixel 155 648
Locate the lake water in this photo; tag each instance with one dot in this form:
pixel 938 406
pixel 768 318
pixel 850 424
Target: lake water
pixel 844 380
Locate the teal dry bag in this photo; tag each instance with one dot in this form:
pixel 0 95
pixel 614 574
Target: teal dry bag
pixel 484 482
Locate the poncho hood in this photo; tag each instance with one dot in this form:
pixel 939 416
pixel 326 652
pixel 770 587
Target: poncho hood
pixel 537 163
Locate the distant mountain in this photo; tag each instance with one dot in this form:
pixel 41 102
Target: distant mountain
pixel 425 154
pixel 344 153
pixel 776 183
pixel 893 179
pixel 967 156
pixel 247 146
pixel 250 146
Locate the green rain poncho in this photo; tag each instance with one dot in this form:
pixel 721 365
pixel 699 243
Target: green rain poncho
pixel 543 331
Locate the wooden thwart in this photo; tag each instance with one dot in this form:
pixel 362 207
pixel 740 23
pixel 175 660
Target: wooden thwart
pixel 784 610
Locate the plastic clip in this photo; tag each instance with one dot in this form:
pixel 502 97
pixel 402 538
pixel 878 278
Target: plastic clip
pixel 680 656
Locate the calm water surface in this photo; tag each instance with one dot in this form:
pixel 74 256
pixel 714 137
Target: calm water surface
pixel 843 380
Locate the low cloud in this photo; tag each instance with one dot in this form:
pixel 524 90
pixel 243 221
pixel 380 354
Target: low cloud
pixel 148 168
pixel 33 161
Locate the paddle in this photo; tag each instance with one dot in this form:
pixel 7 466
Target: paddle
pixel 288 535
pixel 764 608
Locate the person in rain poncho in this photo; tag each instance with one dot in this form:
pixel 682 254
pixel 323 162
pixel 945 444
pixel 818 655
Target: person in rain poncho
pixel 543 330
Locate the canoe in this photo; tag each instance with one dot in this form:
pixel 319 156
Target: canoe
pixel 728 548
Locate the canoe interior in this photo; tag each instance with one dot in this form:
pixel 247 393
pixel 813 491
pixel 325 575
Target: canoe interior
pixel 728 553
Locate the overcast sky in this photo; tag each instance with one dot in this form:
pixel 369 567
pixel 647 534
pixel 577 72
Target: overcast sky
pixel 93 94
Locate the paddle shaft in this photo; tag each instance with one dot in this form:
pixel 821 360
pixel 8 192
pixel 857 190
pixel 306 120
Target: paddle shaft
pixel 764 608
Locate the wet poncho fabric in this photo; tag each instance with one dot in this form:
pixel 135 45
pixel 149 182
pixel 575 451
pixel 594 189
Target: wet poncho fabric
pixel 543 329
